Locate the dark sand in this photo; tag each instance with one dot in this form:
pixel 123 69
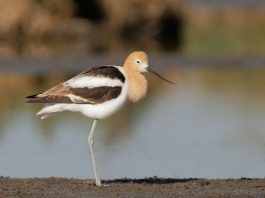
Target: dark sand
pixel 150 187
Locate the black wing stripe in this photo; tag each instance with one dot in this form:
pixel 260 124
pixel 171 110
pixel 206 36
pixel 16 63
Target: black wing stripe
pixel 106 71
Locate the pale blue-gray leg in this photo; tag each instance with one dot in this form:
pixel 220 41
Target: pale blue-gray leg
pixel 91 143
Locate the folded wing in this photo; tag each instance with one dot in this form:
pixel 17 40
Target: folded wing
pixel 94 86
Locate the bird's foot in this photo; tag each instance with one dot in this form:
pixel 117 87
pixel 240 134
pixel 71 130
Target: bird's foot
pixel 98 182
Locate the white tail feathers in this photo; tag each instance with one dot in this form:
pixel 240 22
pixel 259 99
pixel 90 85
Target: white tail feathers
pixel 48 110
pixel 43 113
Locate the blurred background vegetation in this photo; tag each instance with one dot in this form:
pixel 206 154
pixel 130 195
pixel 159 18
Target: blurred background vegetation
pixel 196 28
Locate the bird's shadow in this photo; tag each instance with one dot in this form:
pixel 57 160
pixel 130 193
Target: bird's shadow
pixel 151 180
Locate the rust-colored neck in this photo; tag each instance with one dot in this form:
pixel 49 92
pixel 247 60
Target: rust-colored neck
pixel 137 84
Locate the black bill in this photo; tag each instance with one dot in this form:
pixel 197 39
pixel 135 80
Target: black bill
pixel 159 76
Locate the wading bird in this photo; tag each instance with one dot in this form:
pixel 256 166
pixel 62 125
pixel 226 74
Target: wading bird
pixel 98 93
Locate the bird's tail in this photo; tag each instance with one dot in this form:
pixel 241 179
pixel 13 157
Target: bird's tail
pixel 43 113
pixel 48 109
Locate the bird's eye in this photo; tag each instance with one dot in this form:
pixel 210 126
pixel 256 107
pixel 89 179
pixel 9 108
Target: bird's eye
pixel 138 61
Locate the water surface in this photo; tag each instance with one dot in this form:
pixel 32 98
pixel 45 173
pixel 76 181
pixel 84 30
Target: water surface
pixel 210 125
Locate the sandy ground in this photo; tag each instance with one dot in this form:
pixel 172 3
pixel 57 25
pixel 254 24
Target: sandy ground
pixel 149 187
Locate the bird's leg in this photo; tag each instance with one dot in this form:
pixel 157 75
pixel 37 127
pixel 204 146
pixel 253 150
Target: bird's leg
pixel 91 143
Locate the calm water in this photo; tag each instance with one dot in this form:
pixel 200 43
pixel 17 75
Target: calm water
pixel 211 125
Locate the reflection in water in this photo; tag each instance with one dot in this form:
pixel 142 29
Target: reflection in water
pixel 210 125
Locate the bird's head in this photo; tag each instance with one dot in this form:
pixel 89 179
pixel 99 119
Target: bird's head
pixel 137 61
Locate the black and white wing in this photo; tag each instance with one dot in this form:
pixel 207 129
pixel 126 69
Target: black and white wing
pixel 94 86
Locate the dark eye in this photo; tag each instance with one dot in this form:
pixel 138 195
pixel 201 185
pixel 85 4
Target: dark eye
pixel 138 62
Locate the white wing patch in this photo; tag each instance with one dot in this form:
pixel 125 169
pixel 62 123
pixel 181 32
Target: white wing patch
pixel 77 99
pixel 92 82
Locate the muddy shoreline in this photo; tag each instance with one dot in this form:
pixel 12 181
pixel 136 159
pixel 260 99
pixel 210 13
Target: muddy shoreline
pixel 148 187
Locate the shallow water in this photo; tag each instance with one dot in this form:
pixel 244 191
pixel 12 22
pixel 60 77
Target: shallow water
pixel 210 125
